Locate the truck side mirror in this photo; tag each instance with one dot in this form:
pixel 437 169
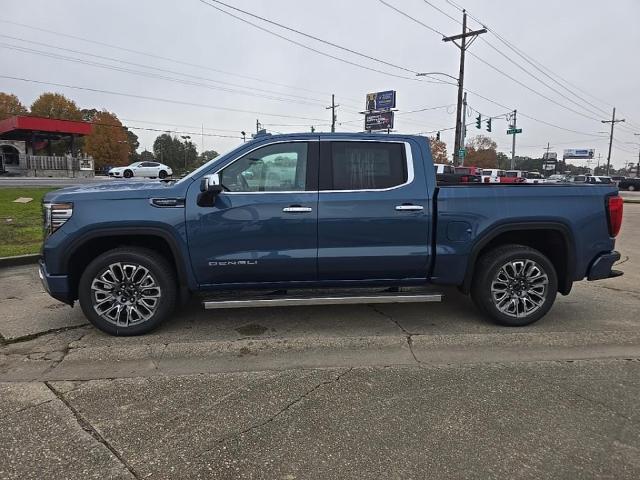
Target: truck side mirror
pixel 211 184
pixel 210 188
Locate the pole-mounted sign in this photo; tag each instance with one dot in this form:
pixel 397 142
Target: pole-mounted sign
pixel 378 121
pixel 381 100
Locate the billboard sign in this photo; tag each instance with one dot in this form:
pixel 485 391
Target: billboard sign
pixel 378 121
pixel 579 153
pixel 549 166
pixel 381 100
pixel 550 156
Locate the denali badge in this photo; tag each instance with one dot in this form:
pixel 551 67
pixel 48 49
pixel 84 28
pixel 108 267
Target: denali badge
pixel 228 263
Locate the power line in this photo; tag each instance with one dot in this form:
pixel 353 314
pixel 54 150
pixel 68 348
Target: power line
pixel 157 76
pixel 160 57
pixel 165 100
pixel 494 67
pixel 307 47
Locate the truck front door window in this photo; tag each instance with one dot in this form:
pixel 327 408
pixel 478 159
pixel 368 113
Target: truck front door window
pixel 274 168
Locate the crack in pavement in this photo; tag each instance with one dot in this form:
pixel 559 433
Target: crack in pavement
pixel 408 334
pixel 280 412
pixel 33 336
pixel 25 408
pixel 87 427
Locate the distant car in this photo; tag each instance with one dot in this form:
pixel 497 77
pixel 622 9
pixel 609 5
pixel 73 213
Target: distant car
pixel 617 179
pixel 469 174
pixel 598 179
pixel 578 179
pixel 631 184
pixel 142 169
pixel 492 175
pixel 557 178
pixel 514 176
pixel 535 177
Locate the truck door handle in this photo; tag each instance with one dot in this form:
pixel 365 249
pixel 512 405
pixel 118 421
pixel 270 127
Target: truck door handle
pixel 297 209
pixel 410 208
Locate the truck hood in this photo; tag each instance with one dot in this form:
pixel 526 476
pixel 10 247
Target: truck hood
pixel 117 190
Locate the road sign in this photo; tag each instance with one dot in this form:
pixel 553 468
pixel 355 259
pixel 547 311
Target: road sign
pixel 462 152
pixel 511 131
pixel 378 121
pixel 381 100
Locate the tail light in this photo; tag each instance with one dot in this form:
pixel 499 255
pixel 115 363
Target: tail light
pixel 614 214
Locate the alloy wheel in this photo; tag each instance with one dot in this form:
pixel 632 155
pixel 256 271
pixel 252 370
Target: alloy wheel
pixel 519 288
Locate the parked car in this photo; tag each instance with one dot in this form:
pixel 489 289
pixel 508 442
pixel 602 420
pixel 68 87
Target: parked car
pixel 2 167
pixel 534 177
pixel 631 184
pixel 578 179
pixel 321 211
pixel 598 179
pixel 513 176
pixel 469 174
pixel 617 179
pixel 492 175
pixel 142 169
pixel 557 178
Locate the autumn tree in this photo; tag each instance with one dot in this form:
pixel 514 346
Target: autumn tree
pixel 55 105
pixel 438 150
pixel 10 106
pixel 481 152
pixel 108 143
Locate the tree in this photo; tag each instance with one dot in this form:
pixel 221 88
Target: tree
pixel 147 156
pixel 206 156
pixel 10 106
pixel 171 151
pixel 438 150
pixel 108 143
pixel 481 152
pixel 132 138
pixel 55 105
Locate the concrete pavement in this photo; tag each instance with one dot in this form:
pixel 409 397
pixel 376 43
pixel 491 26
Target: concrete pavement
pixel 395 391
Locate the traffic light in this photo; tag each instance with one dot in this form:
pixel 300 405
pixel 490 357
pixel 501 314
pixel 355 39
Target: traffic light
pixel 489 125
pixel 479 121
pixel 438 136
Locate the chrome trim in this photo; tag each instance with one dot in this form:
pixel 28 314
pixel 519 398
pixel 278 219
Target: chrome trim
pixel 297 209
pixel 409 207
pixel 408 158
pixel 285 302
pixel 157 202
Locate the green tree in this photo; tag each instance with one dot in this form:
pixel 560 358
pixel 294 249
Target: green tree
pixel 55 105
pixel 10 106
pixel 175 153
pixel 147 156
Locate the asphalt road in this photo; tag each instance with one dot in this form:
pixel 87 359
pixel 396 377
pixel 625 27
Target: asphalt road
pixel 396 391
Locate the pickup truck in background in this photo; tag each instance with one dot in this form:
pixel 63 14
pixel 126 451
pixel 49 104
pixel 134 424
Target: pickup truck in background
pixel 450 175
pixel 306 215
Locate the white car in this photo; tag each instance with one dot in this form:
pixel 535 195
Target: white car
pixel 142 169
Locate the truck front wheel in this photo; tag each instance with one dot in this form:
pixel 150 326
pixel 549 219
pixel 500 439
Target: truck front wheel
pixel 515 285
pixel 127 291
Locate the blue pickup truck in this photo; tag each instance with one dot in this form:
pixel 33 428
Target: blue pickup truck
pixel 322 219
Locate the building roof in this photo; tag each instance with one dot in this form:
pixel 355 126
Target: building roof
pixel 22 127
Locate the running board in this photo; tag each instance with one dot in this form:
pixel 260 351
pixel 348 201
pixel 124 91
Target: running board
pixel 288 301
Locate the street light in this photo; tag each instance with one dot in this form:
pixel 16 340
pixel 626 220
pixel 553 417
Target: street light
pixel 427 74
pixel 244 136
pixel 185 138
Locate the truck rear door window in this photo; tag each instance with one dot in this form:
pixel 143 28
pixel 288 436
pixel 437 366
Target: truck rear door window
pixel 367 165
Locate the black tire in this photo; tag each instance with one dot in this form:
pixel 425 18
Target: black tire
pixel 537 293
pixel 162 174
pixel 127 174
pixel 164 289
pixel 631 188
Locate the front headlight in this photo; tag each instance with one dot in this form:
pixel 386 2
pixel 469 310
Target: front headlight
pixel 55 215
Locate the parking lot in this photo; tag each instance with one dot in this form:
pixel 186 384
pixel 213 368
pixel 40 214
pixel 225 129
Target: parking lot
pixel 395 391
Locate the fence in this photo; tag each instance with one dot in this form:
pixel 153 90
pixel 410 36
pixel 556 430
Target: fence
pixel 45 165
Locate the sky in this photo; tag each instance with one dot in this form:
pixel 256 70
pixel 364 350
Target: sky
pixel 187 67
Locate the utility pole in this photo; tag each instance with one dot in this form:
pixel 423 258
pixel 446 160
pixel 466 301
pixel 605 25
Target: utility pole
pixel 463 47
pixel 244 136
pixel 257 126
pixel 464 125
pixel 186 144
pixel 638 164
pixel 333 107
pixel 613 121
pixel 598 164
pixel 513 144
pixel 547 149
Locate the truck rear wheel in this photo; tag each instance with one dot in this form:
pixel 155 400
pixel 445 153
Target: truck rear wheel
pixel 127 291
pixel 515 285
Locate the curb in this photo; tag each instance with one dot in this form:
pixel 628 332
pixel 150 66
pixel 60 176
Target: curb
pixel 19 260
